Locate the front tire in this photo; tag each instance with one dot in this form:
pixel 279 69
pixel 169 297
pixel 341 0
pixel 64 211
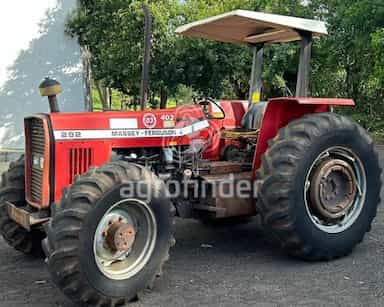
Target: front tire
pixel 320 186
pixel 13 190
pixel 105 247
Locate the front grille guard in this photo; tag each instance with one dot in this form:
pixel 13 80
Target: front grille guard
pixel 37 161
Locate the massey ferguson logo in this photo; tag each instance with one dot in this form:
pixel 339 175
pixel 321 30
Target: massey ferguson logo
pixel 149 120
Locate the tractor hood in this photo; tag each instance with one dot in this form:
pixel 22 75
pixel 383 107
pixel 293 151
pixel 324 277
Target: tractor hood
pixel 68 144
pixel 148 124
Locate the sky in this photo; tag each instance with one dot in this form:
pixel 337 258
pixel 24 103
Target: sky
pixel 19 24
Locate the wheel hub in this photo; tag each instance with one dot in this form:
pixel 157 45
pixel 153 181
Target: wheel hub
pixel 120 236
pixel 125 239
pixel 333 188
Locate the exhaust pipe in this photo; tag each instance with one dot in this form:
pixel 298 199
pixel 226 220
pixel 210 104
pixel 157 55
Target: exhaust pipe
pixel 51 88
pixel 147 57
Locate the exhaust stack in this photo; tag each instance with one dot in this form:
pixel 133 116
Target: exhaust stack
pixel 51 88
pixel 147 57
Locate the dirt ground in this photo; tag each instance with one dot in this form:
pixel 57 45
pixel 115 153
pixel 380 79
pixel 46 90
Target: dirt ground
pixel 227 266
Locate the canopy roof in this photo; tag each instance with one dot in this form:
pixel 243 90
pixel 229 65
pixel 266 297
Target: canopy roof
pixel 248 27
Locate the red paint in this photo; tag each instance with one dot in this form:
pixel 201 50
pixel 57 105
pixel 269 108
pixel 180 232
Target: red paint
pixel 74 157
pixel 100 120
pixel 234 111
pixel 281 111
pixel 66 168
pixel 45 196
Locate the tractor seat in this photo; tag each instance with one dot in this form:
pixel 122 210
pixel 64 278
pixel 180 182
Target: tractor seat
pixel 240 133
pixel 250 124
pixel 252 119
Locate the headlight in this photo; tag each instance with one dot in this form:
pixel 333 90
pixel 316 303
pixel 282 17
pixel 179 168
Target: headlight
pixel 38 161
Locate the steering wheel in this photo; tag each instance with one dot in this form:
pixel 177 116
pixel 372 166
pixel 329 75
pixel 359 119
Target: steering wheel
pixel 205 102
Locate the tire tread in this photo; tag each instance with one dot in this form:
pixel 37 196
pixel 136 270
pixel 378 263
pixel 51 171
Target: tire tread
pixel 279 164
pixel 64 230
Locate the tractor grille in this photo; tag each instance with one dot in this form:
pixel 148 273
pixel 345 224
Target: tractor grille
pixel 80 159
pixel 37 156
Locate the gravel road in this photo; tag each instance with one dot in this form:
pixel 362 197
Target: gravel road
pixel 227 266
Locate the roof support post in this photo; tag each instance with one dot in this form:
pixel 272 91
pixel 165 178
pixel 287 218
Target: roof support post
pixel 302 86
pixel 257 71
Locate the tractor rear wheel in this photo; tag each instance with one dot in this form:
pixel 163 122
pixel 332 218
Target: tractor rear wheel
pixel 110 235
pixel 13 190
pixel 320 186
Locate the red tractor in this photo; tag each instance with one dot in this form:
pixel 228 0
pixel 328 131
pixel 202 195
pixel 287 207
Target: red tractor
pixel 101 190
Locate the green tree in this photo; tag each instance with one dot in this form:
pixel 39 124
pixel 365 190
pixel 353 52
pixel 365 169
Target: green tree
pixel 113 30
pixel 347 63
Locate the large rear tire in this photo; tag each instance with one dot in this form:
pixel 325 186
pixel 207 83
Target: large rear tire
pixel 13 190
pixel 320 186
pixel 103 246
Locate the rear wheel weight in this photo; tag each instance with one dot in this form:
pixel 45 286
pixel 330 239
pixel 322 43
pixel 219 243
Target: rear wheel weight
pixel 321 186
pixel 104 248
pixel 335 190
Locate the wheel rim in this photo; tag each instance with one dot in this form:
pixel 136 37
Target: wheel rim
pixel 125 239
pixel 335 189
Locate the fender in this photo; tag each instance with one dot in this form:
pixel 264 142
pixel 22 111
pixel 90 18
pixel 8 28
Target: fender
pixel 281 111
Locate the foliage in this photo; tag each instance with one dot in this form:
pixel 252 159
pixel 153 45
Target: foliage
pixel 347 63
pixel 117 98
pixel 184 95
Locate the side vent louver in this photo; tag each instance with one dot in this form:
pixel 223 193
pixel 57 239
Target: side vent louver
pixel 80 159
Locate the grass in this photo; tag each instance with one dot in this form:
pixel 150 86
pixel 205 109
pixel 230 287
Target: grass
pixel 118 98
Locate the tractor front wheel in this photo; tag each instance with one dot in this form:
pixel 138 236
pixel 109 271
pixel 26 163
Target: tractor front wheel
pixel 13 190
pixel 110 235
pixel 320 186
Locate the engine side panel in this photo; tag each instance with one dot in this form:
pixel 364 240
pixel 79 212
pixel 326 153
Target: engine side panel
pixel 74 158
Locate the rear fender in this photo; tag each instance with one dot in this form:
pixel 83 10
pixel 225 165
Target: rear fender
pixel 281 111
